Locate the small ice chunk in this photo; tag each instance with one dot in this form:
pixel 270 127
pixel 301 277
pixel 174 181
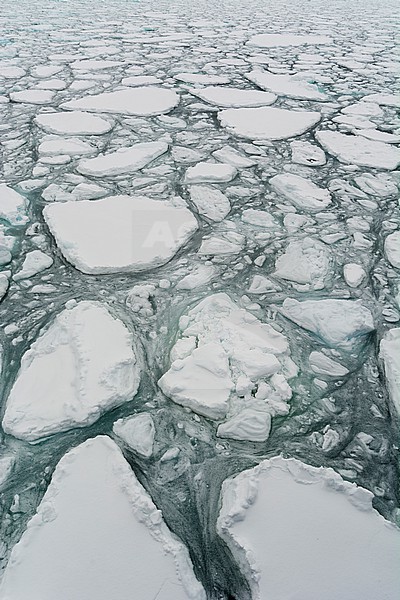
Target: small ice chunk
pixel 207 172
pixel 301 192
pixel 140 101
pixel 73 123
pixel 201 275
pixel 35 262
pixel 123 161
pixel 210 202
pixel 354 274
pixel 249 424
pixel 338 322
pixel 267 123
pixel 262 285
pixel 201 381
pixel 305 261
pixel 138 432
pixel 392 249
pixel 357 150
pixel 323 365
pixel 86 355
pixel 310 155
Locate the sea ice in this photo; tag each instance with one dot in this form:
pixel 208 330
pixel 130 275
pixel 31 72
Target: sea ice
pixel 270 40
pixel 301 192
pixel 85 354
pixel 119 233
pixel 390 354
pixel 392 249
pixel 210 202
pixel 284 521
pixel 35 262
pixel 357 150
pixel 32 96
pixel 354 274
pixel 73 123
pixel 208 172
pixel 97 534
pixel 306 262
pixel 267 123
pixel 123 161
pixel 323 365
pixel 291 86
pixel 310 155
pixel 337 322
pixel 249 424
pixel 138 432
pixel 72 146
pixel 201 78
pixel 233 97
pixel 140 101
pixel 12 207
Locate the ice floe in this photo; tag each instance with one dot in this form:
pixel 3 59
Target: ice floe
pixel 85 354
pixel 124 160
pixel 233 97
pixel 208 172
pixel 137 432
pixel 13 207
pixel 392 249
pixel 357 150
pixel 127 233
pixel 73 123
pixel 270 40
pixel 291 86
pixel 301 192
pixel 32 96
pixel 306 262
pixel 97 518
pixel 35 262
pixel 304 153
pixel 338 322
pixel 321 364
pixel 141 101
pixel 390 354
pixel 210 202
pixel 267 123
pixel 285 517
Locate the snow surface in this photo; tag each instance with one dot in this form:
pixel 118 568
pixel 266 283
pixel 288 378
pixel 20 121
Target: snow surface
pixel 267 123
pixel 127 233
pixel 141 101
pixel 97 534
pixel 87 356
pixel 287 522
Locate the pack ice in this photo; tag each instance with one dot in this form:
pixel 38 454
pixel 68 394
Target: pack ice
pixel 87 356
pixel 97 534
pixel 119 233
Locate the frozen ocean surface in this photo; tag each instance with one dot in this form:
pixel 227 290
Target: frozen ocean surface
pixel 200 300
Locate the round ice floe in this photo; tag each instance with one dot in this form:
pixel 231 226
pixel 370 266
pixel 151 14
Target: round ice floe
pixel 73 123
pixel 119 233
pixel 141 101
pixel 284 521
pixel 270 40
pixel 357 150
pixel 86 355
pixel 233 97
pixel 267 123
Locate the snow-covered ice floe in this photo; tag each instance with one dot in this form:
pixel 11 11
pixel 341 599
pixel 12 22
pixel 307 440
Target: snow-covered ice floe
pixel 124 160
pixel 390 354
pixel 233 97
pixel 97 534
pixel 126 233
pixel 292 86
pixel 270 40
pixel 141 101
pixel 87 356
pixel 301 192
pixel 290 524
pixel 73 123
pixel 223 353
pixel 267 123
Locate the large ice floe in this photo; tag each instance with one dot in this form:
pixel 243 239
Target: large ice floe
pixel 222 355
pixel 127 233
pixel 141 101
pixel 97 534
pixel 357 150
pixel 289 524
pixel 267 123
pixel 293 86
pixel 87 356
pixel 73 123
